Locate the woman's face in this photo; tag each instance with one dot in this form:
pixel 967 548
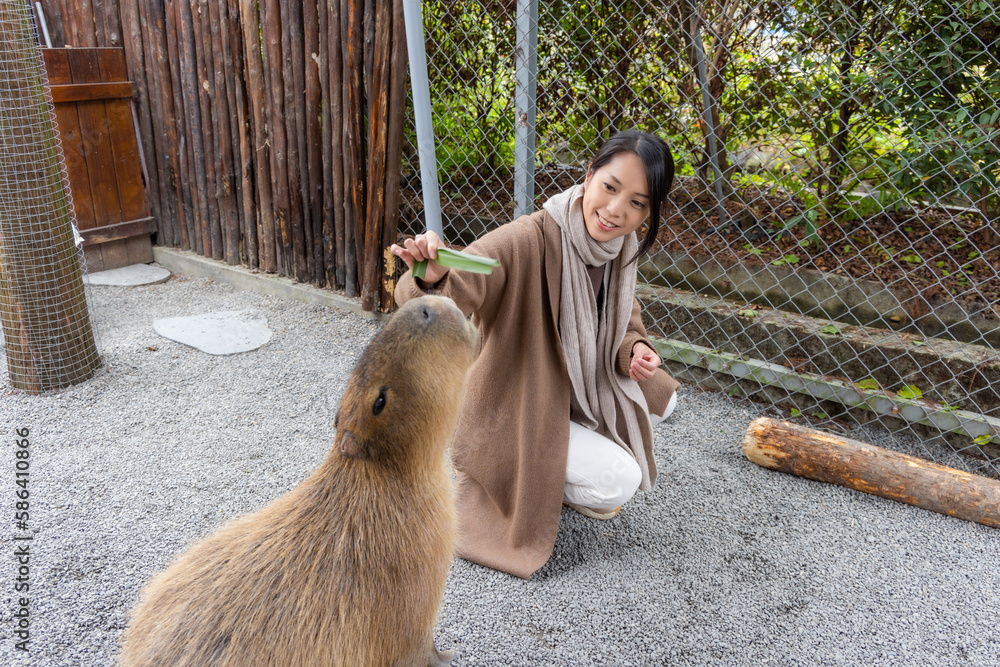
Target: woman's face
pixel 616 200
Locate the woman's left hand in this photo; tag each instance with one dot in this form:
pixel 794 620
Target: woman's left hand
pixel 645 361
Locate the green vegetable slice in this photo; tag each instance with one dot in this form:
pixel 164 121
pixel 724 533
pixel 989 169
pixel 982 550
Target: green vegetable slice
pixel 460 261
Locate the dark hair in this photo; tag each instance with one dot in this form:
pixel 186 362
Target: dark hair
pixel 659 166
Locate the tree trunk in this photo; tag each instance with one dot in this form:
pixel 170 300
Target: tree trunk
pixel 48 337
pixel 824 457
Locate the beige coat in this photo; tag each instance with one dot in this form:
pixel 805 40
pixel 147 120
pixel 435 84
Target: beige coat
pixel 510 442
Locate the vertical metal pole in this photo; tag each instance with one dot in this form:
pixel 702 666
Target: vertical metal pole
pixel 43 25
pixel 526 71
pixel 413 18
pixel 706 98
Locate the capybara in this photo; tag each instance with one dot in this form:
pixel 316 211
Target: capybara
pixel 349 567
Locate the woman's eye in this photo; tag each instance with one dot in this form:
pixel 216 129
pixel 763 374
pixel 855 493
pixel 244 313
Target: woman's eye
pixel 379 402
pixel 608 187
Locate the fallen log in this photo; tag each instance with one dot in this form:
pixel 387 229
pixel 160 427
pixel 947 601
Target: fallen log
pixel 824 457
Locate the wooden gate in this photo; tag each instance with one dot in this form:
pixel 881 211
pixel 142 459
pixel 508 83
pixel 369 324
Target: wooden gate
pixel 92 97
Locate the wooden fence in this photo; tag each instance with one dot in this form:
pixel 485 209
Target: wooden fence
pixel 272 129
pixel 92 97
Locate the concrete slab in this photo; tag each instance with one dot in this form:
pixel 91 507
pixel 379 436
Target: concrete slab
pixel 220 333
pixel 866 303
pixel 129 276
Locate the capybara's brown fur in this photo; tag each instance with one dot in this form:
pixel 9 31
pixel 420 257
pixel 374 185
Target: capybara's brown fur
pixel 349 567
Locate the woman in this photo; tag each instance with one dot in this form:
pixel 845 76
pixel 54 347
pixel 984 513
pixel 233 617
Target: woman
pixel 565 388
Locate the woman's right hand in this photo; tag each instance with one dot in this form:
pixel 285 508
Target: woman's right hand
pixel 422 246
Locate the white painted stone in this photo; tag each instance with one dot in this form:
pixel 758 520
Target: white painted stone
pixel 129 276
pixel 220 333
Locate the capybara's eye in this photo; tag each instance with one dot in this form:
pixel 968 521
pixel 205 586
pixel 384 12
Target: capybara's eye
pixel 379 402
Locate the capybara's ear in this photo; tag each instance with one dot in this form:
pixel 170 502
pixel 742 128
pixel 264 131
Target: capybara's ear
pixel 351 447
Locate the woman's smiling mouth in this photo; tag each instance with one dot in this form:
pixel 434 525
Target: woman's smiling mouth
pixel 604 224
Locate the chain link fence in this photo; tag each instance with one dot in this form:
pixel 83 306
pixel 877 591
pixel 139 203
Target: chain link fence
pixel 832 243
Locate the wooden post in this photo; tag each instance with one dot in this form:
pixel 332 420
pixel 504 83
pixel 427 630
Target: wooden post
pixel 299 174
pixel 161 104
pixel 223 114
pixel 394 152
pixel 813 454
pixel 181 148
pixel 48 337
pixel 336 104
pixel 148 43
pixel 54 12
pixel 293 242
pixel 258 92
pixel 167 144
pixel 242 134
pixel 198 185
pixel 378 112
pixel 274 101
pixel 230 36
pixel 81 17
pixel 324 229
pixel 313 177
pixel 144 77
pixel 107 18
pixel 354 175
pixel 212 232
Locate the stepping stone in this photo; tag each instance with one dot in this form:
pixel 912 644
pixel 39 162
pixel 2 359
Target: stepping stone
pixel 221 333
pixel 129 276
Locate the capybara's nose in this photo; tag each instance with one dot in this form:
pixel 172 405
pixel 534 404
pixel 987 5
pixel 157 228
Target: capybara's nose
pixel 427 314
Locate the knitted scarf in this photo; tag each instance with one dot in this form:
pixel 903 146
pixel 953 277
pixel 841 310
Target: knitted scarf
pixel 590 340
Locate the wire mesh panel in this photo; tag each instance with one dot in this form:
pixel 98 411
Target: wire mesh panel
pixel 832 243
pixel 48 339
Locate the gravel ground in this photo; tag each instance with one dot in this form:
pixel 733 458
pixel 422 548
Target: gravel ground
pixel 724 563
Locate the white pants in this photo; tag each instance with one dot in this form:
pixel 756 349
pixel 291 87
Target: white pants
pixel 599 473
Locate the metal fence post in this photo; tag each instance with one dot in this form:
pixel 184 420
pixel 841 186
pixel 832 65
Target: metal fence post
pixel 526 70
pixel 413 18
